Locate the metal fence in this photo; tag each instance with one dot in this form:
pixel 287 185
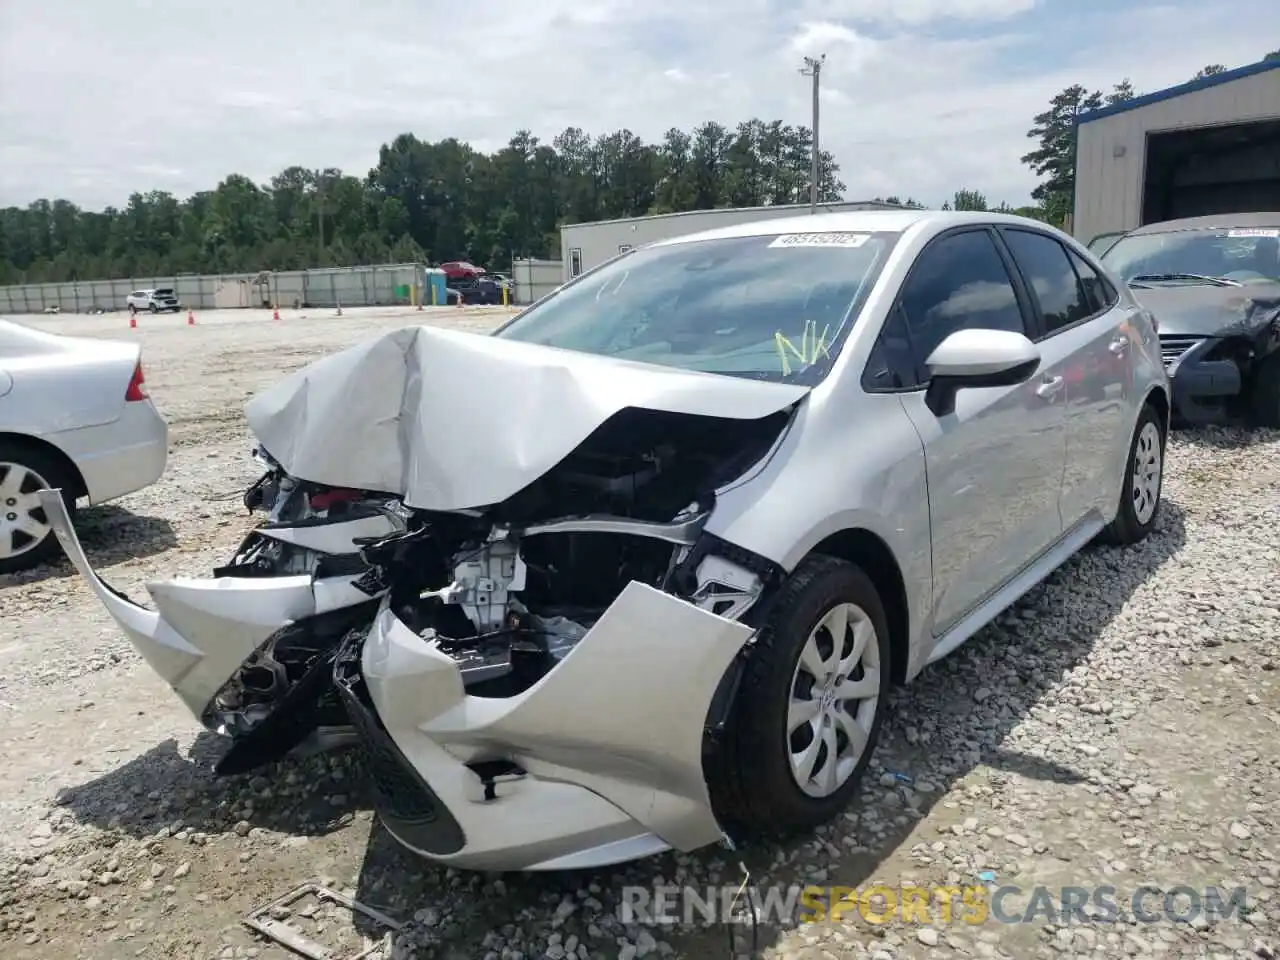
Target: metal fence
pixel 379 285
pixel 534 279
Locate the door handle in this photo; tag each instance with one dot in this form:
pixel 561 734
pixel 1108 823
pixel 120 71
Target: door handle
pixel 1119 345
pixel 1050 386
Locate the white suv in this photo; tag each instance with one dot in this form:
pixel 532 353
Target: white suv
pixel 156 301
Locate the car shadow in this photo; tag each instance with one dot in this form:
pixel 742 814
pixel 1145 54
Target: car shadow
pixel 109 534
pixel 941 714
pixel 301 796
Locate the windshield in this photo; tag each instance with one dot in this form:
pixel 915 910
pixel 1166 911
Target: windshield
pixel 766 308
pixel 1245 255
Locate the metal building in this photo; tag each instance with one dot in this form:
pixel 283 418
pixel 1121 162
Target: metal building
pixel 1205 147
pixel 587 245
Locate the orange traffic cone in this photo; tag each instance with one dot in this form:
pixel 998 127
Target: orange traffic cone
pixel 191 317
pixel 275 313
pixel 133 320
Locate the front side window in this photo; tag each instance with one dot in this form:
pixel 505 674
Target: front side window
pixel 959 283
pixel 1245 254
pixel 768 308
pixel 1044 265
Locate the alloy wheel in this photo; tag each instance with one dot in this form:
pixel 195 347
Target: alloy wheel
pixel 1148 464
pixel 23 524
pixel 835 692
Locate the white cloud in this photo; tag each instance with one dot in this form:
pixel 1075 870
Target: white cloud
pixel 917 12
pixel 908 108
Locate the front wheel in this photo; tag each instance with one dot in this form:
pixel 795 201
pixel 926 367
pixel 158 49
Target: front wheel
pixel 153 308
pixel 810 705
pixel 1143 483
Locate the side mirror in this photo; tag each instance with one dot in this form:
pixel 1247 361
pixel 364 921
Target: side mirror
pixel 977 358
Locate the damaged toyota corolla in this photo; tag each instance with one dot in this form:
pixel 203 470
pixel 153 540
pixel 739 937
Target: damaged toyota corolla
pixel 636 571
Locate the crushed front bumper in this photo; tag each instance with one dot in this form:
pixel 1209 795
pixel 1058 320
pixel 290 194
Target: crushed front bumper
pixel 1200 385
pixel 202 630
pixel 599 762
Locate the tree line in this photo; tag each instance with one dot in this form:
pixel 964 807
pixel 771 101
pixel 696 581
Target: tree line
pixel 426 201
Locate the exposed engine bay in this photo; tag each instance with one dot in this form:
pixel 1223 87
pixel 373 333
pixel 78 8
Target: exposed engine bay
pixel 509 591
pixel 505 591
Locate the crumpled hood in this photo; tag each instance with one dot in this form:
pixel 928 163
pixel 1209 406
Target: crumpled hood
pixel 1208 311
pixel 450 420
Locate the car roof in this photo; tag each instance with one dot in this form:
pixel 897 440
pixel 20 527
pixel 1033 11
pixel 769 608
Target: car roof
pixel 1216 221
pixel 853 221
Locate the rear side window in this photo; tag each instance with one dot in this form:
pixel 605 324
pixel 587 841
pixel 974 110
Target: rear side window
pixel 1097 291
pixel 1048 271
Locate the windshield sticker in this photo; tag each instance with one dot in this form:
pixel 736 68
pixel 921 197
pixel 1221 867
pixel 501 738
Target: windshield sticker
pixel 820 240
pixel 1254 232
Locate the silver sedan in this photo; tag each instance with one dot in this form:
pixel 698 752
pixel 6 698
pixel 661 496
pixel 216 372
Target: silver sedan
pixel 75 415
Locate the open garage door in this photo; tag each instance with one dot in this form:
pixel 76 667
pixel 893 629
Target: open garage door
pixel 1228 169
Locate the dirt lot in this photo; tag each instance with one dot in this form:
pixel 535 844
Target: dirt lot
pixel 1121 727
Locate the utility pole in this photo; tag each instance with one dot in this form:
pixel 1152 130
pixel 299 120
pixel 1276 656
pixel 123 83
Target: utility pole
pixel 813 68
pixel 320 216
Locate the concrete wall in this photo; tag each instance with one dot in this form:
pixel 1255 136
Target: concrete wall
pixel 599 241
pixel 349 286
pixel 1111 151
pixel 534 279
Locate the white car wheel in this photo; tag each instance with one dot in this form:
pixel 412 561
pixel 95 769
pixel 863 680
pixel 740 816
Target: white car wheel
pixel 23 524
pixel 26 536
pixel 835 693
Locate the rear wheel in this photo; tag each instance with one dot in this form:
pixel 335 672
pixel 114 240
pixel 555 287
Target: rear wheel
pixel 810 705
pixel 1143 483
pixel 26 537
pixel 1264 394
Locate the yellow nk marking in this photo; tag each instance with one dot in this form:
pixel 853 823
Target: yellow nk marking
pixel 811 346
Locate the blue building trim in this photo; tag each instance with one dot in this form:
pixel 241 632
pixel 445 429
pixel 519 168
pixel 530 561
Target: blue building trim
pixel 1204 83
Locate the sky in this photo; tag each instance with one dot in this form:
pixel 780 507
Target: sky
pixel 101 98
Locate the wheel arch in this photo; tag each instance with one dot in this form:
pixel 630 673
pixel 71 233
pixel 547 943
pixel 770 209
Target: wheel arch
pixel 869 552
pixel 1158 398
pixel 25 441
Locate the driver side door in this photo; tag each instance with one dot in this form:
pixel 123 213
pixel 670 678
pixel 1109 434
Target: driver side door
pixel 994 465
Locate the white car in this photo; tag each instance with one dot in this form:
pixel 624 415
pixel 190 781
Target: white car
pixel 669 536
pixel 75 416
pixel 160 300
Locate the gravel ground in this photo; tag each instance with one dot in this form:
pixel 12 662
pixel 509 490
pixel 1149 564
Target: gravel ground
pixel 1121 726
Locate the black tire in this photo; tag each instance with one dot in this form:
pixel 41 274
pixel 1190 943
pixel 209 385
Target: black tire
pixel 153 308
pixel 1129 527
pixel 53 472
pixel 752 786
pixel 1264 392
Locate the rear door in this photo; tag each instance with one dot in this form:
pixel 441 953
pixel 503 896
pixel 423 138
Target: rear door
pixel 1083 331
pixel 995 464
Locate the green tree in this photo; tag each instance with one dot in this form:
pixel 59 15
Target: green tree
pixel 1212 70
pixel 969 200
pixel 1054 160
pixel 443 201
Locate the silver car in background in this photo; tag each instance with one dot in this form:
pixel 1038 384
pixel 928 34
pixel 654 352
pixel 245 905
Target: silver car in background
pixel 74 415
pixel 673 531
